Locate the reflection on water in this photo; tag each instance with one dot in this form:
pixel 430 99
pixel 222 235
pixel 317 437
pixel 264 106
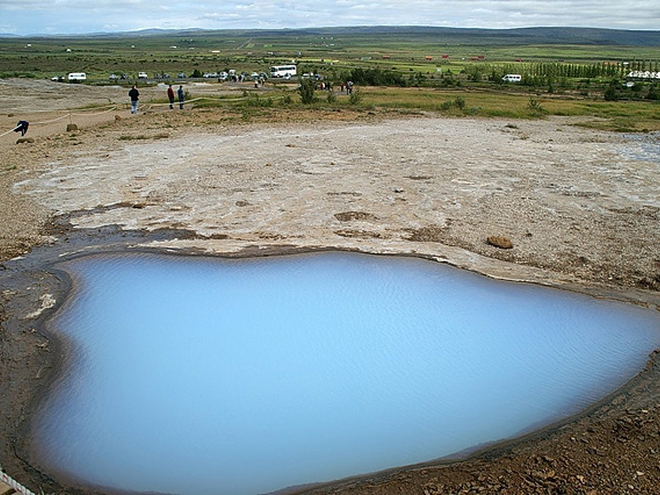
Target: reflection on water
pixel 199 376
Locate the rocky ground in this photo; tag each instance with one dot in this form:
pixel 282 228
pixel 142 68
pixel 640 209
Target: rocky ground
pixel 578 209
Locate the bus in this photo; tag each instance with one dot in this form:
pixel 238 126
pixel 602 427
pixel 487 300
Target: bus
pixel 285 71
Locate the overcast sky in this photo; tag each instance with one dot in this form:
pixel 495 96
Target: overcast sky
pixel 27 17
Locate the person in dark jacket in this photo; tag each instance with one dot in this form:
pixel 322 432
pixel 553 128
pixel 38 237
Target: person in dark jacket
pixel 134 95
pixel 182 97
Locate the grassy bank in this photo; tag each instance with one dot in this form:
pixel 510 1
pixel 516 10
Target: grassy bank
pixel 622 115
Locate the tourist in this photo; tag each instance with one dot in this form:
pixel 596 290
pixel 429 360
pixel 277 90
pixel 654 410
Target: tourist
pixel 134 94
pixel 182 97
pixel 170 96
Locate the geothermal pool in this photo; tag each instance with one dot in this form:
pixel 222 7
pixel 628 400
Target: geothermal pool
pixel 198 375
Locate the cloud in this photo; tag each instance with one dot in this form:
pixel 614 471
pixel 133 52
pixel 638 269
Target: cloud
pixel 81 16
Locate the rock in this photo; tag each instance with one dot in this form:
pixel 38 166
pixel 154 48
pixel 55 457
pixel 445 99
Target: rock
pixel 71 127
pixel 24 140
pixel 347 216
pixel 117 118
pixel 500 241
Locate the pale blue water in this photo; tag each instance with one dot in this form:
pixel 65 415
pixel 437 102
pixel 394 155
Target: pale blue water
pixel 210 376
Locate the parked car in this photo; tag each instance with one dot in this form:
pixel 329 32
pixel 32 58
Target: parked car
pixel 181 75
pixel 113 77
pixel 142 75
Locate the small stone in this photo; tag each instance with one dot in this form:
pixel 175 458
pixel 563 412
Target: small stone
pixel 500 241
pixel 71 127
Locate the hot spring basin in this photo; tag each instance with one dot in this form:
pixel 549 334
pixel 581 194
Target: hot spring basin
pixel 196 376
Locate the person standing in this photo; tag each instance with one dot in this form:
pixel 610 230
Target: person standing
pixel 182 97
pixel 134 94
pixel 170 96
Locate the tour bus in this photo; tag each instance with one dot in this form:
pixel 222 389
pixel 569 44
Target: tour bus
pixel 77 76
pixel 285 71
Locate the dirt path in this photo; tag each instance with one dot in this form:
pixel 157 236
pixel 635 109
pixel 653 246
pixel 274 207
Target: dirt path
pixel 580 208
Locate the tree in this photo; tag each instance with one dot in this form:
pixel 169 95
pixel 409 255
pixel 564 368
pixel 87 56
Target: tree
pixel 611 93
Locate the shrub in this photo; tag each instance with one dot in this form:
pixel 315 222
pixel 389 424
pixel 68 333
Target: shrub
pixel 254 100
pixel 611 93
pixel 534 105
pixel 458 102
pixel 355 98
pixel 306 90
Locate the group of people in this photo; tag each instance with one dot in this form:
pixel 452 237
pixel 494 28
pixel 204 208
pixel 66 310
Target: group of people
pixel 348 86
pixel 134 95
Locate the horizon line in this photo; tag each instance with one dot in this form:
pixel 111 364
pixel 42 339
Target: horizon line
pixel 360 26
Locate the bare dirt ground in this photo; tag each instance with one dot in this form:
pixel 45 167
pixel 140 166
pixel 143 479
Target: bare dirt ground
pixel 580 207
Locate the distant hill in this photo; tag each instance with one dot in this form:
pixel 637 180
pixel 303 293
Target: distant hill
pixel 463 36
pixel 533 35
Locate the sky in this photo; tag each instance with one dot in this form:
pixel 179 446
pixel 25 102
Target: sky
pixel 30 17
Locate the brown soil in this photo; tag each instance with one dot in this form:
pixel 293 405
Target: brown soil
pixel 579 213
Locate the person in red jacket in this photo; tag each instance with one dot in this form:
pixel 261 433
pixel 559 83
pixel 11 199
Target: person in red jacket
pixel 170 95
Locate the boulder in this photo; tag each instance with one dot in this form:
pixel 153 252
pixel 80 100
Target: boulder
pixel 499 241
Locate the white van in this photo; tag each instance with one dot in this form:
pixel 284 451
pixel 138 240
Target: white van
pixel 512 78
pixel 142 75
pixel 77 76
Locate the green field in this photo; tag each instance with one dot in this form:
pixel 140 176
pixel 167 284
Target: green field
pixel 565 71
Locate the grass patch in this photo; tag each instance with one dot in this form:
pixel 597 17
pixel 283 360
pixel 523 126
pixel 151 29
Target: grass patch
pixel 616 115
